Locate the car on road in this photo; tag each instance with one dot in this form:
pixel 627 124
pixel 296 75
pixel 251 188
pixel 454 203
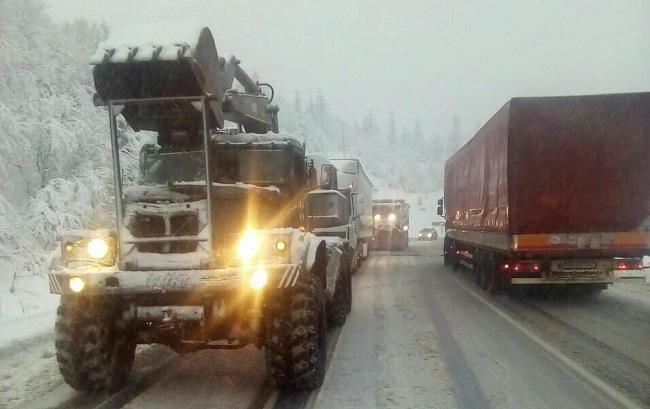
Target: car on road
pixel 428 234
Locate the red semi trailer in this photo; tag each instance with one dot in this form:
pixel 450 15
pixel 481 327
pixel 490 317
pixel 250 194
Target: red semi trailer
pixel 552 190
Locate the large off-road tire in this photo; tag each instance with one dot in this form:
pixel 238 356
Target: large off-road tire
pixel 341 305
pixel 296 336
pixel 94 347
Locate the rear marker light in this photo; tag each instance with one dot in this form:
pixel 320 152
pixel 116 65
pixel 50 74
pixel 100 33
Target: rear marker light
pixel 629 265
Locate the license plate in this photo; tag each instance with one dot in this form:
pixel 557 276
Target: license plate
pixel 579 265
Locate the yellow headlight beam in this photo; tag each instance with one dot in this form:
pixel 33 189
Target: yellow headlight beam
pixel 280 245
pixel 377 217
pixel 259 279
pixel 97 248
pixel 76 284
pixel 248 246
pixel 391 217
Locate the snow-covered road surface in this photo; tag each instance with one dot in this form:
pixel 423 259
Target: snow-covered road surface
pixel 419 336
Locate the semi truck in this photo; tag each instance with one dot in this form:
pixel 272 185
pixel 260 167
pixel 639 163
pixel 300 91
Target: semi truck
pixel 552 191
pixel 391 219
pixel 209 248
pixel 352 176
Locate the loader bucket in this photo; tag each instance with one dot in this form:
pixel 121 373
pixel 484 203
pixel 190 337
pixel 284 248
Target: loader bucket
pixel 183 68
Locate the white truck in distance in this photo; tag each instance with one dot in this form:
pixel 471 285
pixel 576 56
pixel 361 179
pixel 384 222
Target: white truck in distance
pixel 351 175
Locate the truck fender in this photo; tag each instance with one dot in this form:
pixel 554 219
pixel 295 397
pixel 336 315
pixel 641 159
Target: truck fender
pixel 316 258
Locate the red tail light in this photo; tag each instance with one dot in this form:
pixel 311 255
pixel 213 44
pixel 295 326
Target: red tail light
pixel 629 265
pixel 521 267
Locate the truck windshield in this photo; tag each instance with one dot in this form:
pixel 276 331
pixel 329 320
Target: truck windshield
pixel 255 166
pixel 172 167
pixel 323 206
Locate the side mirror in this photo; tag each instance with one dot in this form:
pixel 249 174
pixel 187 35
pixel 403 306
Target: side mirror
pixel 328 177
pixel 440 210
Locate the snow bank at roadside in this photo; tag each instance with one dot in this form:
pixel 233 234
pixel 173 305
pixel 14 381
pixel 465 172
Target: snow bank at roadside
pixel 27 310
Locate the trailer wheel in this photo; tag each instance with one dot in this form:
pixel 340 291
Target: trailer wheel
pixel 492 279
pixel 296 336
pixel 481 270
pixel 477 266
pixel 95 348
pixel 446 253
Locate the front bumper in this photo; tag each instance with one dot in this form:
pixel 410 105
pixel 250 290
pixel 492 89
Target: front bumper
pixel 108 281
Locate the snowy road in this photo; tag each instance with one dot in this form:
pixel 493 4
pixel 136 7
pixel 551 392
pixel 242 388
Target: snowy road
pixel 423 336
pixel 420 336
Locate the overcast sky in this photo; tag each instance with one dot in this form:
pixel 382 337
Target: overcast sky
pixel 421 59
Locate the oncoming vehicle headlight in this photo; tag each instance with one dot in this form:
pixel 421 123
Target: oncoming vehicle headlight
pixel 377 217
pixel 97 248
pixel 391 217
pixel 281 245
pixel 248 246
pixel 429 235
pixel 405 228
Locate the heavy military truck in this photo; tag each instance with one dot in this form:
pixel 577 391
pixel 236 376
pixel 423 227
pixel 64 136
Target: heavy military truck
pixel 209 249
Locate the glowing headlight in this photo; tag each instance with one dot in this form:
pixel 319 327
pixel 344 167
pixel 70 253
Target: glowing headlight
pixel 97 248
pixel 259 279
pixel 281 245
pixel 429 235
pixel 391 217
pixel 248 246
pixel 405 228
pixel 76 284
pixel 377 217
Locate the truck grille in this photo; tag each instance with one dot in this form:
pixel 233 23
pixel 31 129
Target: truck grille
pixel 168 247
pixel 159 226
pixel 143 225
pixel 184 224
